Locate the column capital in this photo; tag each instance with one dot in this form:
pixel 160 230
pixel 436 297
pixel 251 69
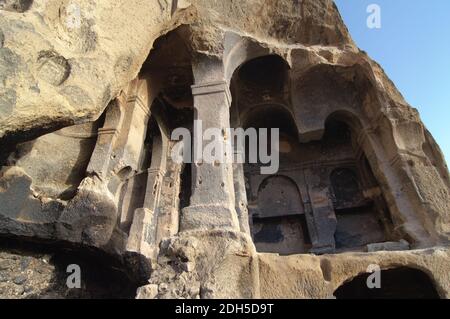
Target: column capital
pixel 212 88
pixel 137 100
pixel 108 131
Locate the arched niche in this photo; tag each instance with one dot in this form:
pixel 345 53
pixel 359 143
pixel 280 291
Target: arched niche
pixel 270 115
pixel 277 217
pixel 277 116
pixel 239 50
pixel 323 90
pixel 397 283
pixel 152 211
pixel 262 119
pixel 163 88
pixel 362 213
pixel 278 196
pixel 262 80
pixel 267 73
pixel 169 69
pixel 260 101
pixel 279 224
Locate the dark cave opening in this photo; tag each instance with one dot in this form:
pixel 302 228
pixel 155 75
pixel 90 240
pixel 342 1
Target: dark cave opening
pixel 399 283
pixel 44 269
pixel 186 186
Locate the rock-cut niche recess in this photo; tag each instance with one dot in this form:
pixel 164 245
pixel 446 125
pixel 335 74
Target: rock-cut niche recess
pixel 397 283
pixel 110 184
pixel 289 212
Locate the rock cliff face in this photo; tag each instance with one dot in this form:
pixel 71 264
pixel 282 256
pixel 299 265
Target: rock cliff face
pixel 63 61
pixel 90 93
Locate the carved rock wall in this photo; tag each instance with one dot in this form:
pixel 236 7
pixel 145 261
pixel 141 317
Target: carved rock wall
pixel 90 93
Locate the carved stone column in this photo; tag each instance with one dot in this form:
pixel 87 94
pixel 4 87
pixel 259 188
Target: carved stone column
pixel 240 191
pixel 101 157
pixel 212 202
pixel 323 215
pixel 168 205
pixel 142 237
pixel 241 198
pixel 129 147
pixel 303 188
pixel 392 173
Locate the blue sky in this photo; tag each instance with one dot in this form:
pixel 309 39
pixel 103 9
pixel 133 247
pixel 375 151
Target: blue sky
pixel 413 47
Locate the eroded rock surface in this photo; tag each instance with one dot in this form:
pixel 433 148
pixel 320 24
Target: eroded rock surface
pixel 103 45
pixel 90 94
pixel 15 5
pixel 33 271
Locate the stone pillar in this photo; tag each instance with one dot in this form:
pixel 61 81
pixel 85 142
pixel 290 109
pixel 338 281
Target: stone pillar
pixel 212 201
pixel 168 205
pixel 132 136
pixel 241 202
pixel 240 191
pixel 142 237
pixel 322 213
pixel 101 157
pixel 392 174
pixel 300 180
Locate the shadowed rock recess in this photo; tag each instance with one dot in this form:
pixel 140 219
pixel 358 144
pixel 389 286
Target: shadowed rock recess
pixel 90 92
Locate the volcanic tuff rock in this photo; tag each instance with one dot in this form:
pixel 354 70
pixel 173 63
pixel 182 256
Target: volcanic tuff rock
pixel 63 61
pixel 90 92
